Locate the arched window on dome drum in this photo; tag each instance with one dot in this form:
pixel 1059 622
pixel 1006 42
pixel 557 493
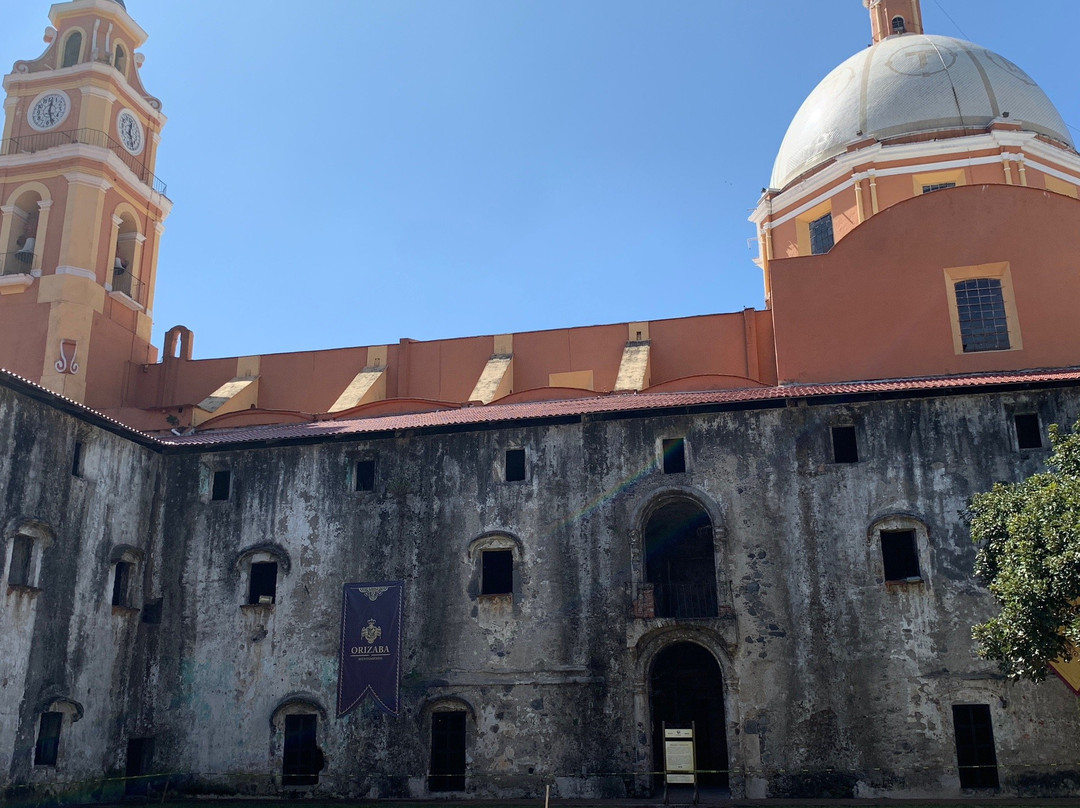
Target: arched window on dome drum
pixel 72 50
pixel 899 26
pixel 120 60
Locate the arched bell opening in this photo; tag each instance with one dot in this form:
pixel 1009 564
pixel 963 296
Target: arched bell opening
pixel 21 235
pixel 686 689
pixel 125 268
pixel 680 560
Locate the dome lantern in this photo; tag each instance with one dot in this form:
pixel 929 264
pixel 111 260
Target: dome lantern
pixel 893 17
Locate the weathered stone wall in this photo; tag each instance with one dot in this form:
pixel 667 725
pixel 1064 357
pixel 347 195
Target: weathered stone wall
pixel 62 644
pixel 833 681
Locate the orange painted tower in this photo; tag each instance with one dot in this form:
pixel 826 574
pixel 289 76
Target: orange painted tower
pixel 81 211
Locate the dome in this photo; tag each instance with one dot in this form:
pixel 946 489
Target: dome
pixel 910 84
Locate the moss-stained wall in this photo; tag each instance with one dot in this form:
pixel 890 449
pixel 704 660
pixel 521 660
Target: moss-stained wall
pixel 833 681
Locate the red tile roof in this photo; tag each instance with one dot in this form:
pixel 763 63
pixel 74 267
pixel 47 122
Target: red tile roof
pixel 546 410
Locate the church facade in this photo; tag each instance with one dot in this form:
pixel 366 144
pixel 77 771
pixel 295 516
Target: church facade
pixel 748 523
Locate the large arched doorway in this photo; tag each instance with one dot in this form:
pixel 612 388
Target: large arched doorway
pixel 680 561
pixel 686 686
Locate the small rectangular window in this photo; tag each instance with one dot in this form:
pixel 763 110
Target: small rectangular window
pixel 821 235
pixel 222 484
pixel 365 475
pixel 845 445
pixel 47 748
pixel 151 613
pixel 980 309
pixel 22 550
pixel 515 465
pixel 674 450
pixel 76 460
pixel 900 555
pixel 447 752
pixel 1028 433
pixel 975 755
pixel 937 186
pixel 300 760
pixel 121 576
pixel 263 586
pixel 497 575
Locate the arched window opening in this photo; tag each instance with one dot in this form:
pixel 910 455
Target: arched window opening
pixel 260 568
pixel 72 50
pixel 120 59
pixel 903 545
pixel 124 270
pixel 125 575
pixel 686 689
pixel 899 26
pixel 680 560
pixel 25 548
pixel 22 238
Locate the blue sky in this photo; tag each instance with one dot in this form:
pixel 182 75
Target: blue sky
pixel 352 172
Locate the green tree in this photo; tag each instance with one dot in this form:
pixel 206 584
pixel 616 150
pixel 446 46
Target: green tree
pixel 1029 557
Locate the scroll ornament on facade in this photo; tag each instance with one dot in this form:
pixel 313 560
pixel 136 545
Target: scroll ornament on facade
pixel 66 363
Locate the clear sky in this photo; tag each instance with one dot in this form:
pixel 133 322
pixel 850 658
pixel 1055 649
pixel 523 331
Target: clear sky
pixel 352 172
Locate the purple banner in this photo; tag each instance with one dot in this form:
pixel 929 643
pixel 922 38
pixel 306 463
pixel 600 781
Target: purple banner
pixel 370 659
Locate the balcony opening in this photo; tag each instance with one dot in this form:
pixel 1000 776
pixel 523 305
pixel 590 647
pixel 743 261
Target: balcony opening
pixel 680 560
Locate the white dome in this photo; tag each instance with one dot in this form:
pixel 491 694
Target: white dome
pixel 909 84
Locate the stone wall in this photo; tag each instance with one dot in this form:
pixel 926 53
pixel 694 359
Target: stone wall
pixel 833 681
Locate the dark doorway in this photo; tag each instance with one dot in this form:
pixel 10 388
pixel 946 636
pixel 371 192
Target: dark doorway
pixel 447 752
pixel 301 759
pixel 679 560
pixel 686 687
pixel 975 755
pixel 140 763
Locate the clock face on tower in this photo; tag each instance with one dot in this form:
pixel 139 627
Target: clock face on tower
pixel 131 131
pixel 49 110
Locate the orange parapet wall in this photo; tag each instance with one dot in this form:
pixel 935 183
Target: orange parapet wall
pixel 706 352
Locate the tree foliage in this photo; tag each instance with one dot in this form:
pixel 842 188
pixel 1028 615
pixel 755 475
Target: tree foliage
pixel 1029 557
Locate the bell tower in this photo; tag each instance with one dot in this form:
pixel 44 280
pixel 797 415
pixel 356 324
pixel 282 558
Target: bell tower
pixel 81 210
pixel 892 17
